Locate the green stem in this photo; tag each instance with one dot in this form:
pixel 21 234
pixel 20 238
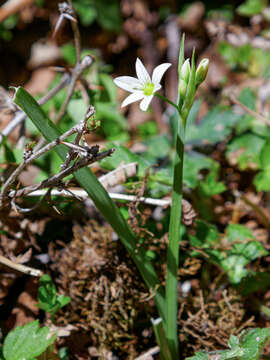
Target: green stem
pixel 167 100
pixel 173 247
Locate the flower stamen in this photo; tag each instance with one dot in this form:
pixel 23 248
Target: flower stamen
pixel 148 89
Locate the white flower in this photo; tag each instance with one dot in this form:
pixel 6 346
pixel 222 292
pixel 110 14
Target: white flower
pixel 144 87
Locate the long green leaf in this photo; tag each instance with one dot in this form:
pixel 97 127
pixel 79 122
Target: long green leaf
pixel 98 194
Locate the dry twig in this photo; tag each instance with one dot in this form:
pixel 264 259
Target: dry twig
pixel 56 180
pixel 19 267
pixel 249 111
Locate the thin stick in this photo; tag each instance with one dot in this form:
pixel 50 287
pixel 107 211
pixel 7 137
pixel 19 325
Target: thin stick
pixel 71 154
pixel 149 354
pixel 19 267
pixel 83 195
pixel 76 73
pixel 21 116
pixel 249 111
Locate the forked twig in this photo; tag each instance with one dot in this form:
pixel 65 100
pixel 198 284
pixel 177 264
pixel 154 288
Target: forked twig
pixel 36 155
pixel 55 180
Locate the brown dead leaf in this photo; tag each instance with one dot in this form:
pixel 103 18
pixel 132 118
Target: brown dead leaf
pixel 22 258
pixel 25 309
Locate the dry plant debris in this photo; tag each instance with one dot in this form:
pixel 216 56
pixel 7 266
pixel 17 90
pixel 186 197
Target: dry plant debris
pixel 106 292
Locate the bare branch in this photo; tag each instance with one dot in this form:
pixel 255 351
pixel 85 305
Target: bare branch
pixel 71 154
pixel 148 355
pixel 55 180
pixel 36 155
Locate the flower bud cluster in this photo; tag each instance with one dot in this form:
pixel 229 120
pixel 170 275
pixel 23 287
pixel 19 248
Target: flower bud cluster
pixel 189 81
pixel 184 75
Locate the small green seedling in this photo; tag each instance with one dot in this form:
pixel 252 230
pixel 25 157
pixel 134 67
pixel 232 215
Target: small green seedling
pixel 48 300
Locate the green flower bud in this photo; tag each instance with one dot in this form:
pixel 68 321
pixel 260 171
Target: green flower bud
pixel 182 88
pixel 185 71
pixel 201 71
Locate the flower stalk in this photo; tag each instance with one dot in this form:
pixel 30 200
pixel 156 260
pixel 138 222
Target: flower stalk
pixel 171 295
pixel 144 88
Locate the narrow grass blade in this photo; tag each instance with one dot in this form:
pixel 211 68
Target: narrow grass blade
pixel 98 194
pixel 173 247
pixel 161 339
pixel 181 59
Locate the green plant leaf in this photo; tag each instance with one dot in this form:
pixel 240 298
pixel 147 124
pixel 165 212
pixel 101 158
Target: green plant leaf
pixel 253 342
pixel 213 128
pixel 158 147
pixel 199 356
pixel 194 162
pixel 245 151
pixel 265 156
pixel 112 122
pixel 26 342
pixel 234 260
pixel 262 180
pixel 248 98
pixel 236 57
pixel 255 281
pixel 248 347
pixel 110 88
pixel 48 300
pixel 122 155
pixel 206 235
pixel 210 186
pixel 9 154
pixel 241 254
pixel 69 53
pixel 108 14
pixel 237 232
pixel 86 11
pixel 251 7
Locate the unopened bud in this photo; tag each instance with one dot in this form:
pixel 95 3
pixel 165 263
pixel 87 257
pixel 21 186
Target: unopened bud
pixel 182 88
pixel 185 71
pixel 201 71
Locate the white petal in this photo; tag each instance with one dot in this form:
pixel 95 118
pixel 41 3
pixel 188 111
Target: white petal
pixel 138 95
pixel 159 72
pixel 128 83
pixel 145 102
pixel 142 73
pixel 156 88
